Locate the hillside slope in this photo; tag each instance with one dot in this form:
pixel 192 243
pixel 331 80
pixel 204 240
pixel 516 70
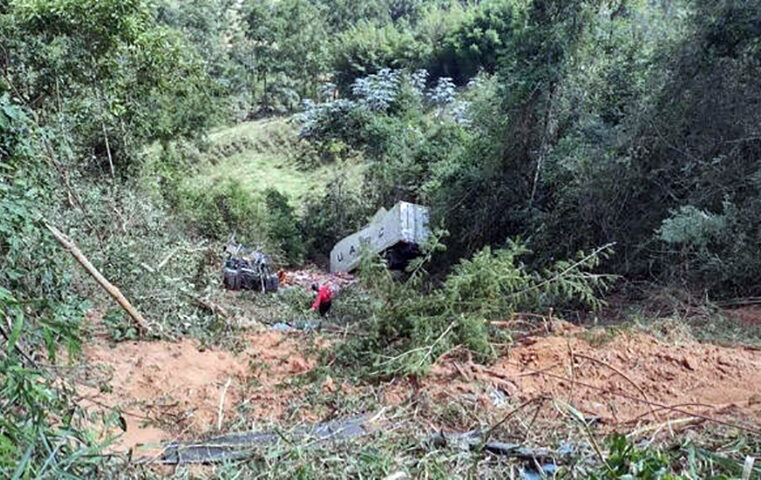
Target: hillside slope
pixel 266 154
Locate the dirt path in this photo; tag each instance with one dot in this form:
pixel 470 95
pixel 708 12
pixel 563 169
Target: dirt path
pixel 174 390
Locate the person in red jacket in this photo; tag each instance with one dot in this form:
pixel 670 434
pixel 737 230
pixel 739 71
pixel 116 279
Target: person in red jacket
pixel 323 299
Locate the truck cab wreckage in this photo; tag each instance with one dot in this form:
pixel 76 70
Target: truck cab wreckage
pixel 245 270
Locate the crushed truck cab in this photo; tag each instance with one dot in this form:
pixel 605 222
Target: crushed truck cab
pixel 398 232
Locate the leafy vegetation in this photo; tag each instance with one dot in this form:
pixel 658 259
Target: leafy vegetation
pixel 37 309
pixel 153 131
pixel 407 330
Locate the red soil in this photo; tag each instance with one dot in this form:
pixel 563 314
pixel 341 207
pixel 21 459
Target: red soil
pixel 619 379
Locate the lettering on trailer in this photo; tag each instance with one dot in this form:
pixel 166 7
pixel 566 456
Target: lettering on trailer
pixel 405 222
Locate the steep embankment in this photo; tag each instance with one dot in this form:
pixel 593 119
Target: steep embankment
pixel 625 382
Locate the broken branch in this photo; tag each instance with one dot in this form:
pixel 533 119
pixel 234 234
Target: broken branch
pixel 69 245
pixel 620 373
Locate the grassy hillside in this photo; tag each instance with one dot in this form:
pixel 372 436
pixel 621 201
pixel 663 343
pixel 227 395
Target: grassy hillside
pixel 266 154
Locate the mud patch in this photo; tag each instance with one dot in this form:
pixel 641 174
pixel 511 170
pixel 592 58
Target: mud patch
pixel 169 390
pixel 174 390
pixel 615 381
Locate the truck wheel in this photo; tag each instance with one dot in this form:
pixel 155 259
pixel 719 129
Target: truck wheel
pixel 228 279
pixel 271 284
pixel 235 280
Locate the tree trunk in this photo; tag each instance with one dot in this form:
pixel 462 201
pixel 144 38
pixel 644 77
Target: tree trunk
pixel 69 245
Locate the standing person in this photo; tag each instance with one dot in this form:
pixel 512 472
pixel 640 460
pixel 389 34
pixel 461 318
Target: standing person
pixel 323 299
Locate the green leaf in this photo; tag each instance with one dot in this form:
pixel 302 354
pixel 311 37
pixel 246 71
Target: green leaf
pixel 21 467
pixel 15 331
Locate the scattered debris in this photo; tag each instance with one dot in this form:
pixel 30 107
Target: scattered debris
pixel 540 462
pixel 474 441
pixel 243 445
pixel 547 471
pixel 702 382
pixel 281 327
pixel 167 390
pixel 288 327
pixel 307 278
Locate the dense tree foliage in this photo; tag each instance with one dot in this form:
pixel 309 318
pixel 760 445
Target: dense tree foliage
pixel 591 122
pixel 570 124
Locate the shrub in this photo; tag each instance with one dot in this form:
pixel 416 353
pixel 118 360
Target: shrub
pixel 415 327
pixel 331 216
pixel 387 98
pixel 283 227
pixel 626 460
pixel 225 209
pixel 475 43
pixel 711 250
pixel 119 327
pixel 368 48
pixel 38 312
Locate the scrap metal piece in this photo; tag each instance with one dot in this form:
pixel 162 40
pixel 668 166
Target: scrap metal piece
pixel 472 440
pixel 237 446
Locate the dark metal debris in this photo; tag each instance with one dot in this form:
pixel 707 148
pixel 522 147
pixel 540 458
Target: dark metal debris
pixel 238 446
pixel 473 441
pixel 245 270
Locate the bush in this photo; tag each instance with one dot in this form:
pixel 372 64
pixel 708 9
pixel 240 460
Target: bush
pixel 283 227
pixel 225 209
pixel 404 128
pixel 711 250
pixel 410 328
pixel 38 312
pixel 367 49
pixel 120 328
pixel 476 42
pixel 331 216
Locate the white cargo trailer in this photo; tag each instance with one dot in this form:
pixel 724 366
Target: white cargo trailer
pixel 399 231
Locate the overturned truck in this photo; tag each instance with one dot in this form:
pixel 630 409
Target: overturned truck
pixel 245 270
pixel 398 233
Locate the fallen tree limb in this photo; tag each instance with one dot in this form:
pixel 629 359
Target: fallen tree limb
pixel 661 406
pixel 206 304
pixel 69 245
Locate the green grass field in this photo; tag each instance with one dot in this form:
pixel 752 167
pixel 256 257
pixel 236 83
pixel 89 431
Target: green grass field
pixel 266 154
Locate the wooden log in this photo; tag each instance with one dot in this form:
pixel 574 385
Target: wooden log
pixel 69 245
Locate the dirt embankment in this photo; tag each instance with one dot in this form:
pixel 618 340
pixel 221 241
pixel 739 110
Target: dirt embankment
pixel 625 380
pixel 166 390
pixel 174 390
